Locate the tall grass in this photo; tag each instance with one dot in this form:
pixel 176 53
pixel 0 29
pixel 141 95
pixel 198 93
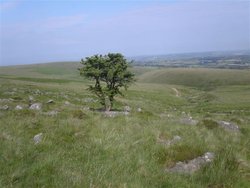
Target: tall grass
pixel 83 148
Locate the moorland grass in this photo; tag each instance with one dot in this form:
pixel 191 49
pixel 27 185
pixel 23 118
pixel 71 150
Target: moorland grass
pixel 83 148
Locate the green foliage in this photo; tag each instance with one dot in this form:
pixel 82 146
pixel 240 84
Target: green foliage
pixel 112 70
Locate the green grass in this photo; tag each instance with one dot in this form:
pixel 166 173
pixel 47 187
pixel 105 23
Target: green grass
pixel 196 77
pixel 82 148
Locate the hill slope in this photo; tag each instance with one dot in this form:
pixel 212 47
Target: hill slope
pixel 197 77
pixel 193 77
pixel 81 147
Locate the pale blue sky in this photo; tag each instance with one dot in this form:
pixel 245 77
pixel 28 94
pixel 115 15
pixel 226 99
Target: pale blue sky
pixel 33 31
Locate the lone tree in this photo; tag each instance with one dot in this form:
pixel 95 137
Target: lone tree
pixel 110 73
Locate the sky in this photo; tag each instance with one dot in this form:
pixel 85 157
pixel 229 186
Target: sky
pixel 38 31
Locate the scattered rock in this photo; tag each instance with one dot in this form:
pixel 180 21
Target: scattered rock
pixel 139 109
pixel 228 126
pixel 50 101
pixel 18 107
pixel 162 115
pixel 5 136
pixel 127 108
pixel 51 113
pixel 38 138
pixel 88 100
pixel 31 98
pixel 79 134
pixel 177 93
pixel 110 113
pixel 114 113
pixel 169 142
pixel 126 113
pixel 67 103
pixel 192 165
pixel 66 96
pixel 86 108
pixel 5 107
pixel 9 93
pixel 5 100
pixel 188 121
pixel 37 92
pixel 36 106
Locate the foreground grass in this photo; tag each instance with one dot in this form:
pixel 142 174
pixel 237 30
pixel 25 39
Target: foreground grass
pixel 82 148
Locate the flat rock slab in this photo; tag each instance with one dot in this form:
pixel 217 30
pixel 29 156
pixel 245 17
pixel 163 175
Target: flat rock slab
pixel 114 113
pixel 5 100
pixel 66 103
pixel 50 101
pixel 38 138
pixel 31 98
pixel 188 121
pixel 51 113
pixel 228 126
pixel 36 106
pixel 192 165
pixel 18 107
pixel 5 107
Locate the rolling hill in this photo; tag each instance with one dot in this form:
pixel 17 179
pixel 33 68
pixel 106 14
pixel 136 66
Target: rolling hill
pixel 172 119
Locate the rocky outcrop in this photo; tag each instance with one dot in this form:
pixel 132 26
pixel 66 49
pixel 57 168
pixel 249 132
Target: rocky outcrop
pixel 51 113
pixel 4 107
pixel 36 106
pixel 228 126
pixel 38 138
pixel 193 165
pixel 112 114
pixel 50 101
pixel 188 121
pixel 18 107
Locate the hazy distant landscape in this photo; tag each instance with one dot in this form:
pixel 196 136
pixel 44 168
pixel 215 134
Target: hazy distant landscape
pixel 231 60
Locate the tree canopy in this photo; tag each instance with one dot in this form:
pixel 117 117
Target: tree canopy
pixel 110 73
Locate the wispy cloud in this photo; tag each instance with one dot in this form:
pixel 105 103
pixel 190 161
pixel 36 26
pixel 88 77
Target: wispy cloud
pixel 62 22
pixel 51 24
pixel 6 5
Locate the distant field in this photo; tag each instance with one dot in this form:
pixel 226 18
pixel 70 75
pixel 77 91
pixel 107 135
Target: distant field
pixel 48 70
pixel 81 147
pixel 193 77
pixel 196 77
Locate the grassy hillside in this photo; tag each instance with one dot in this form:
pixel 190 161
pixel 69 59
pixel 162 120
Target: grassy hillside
pixel 81 147
pixel 197 77
pixel 59 70
pixel 193 77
